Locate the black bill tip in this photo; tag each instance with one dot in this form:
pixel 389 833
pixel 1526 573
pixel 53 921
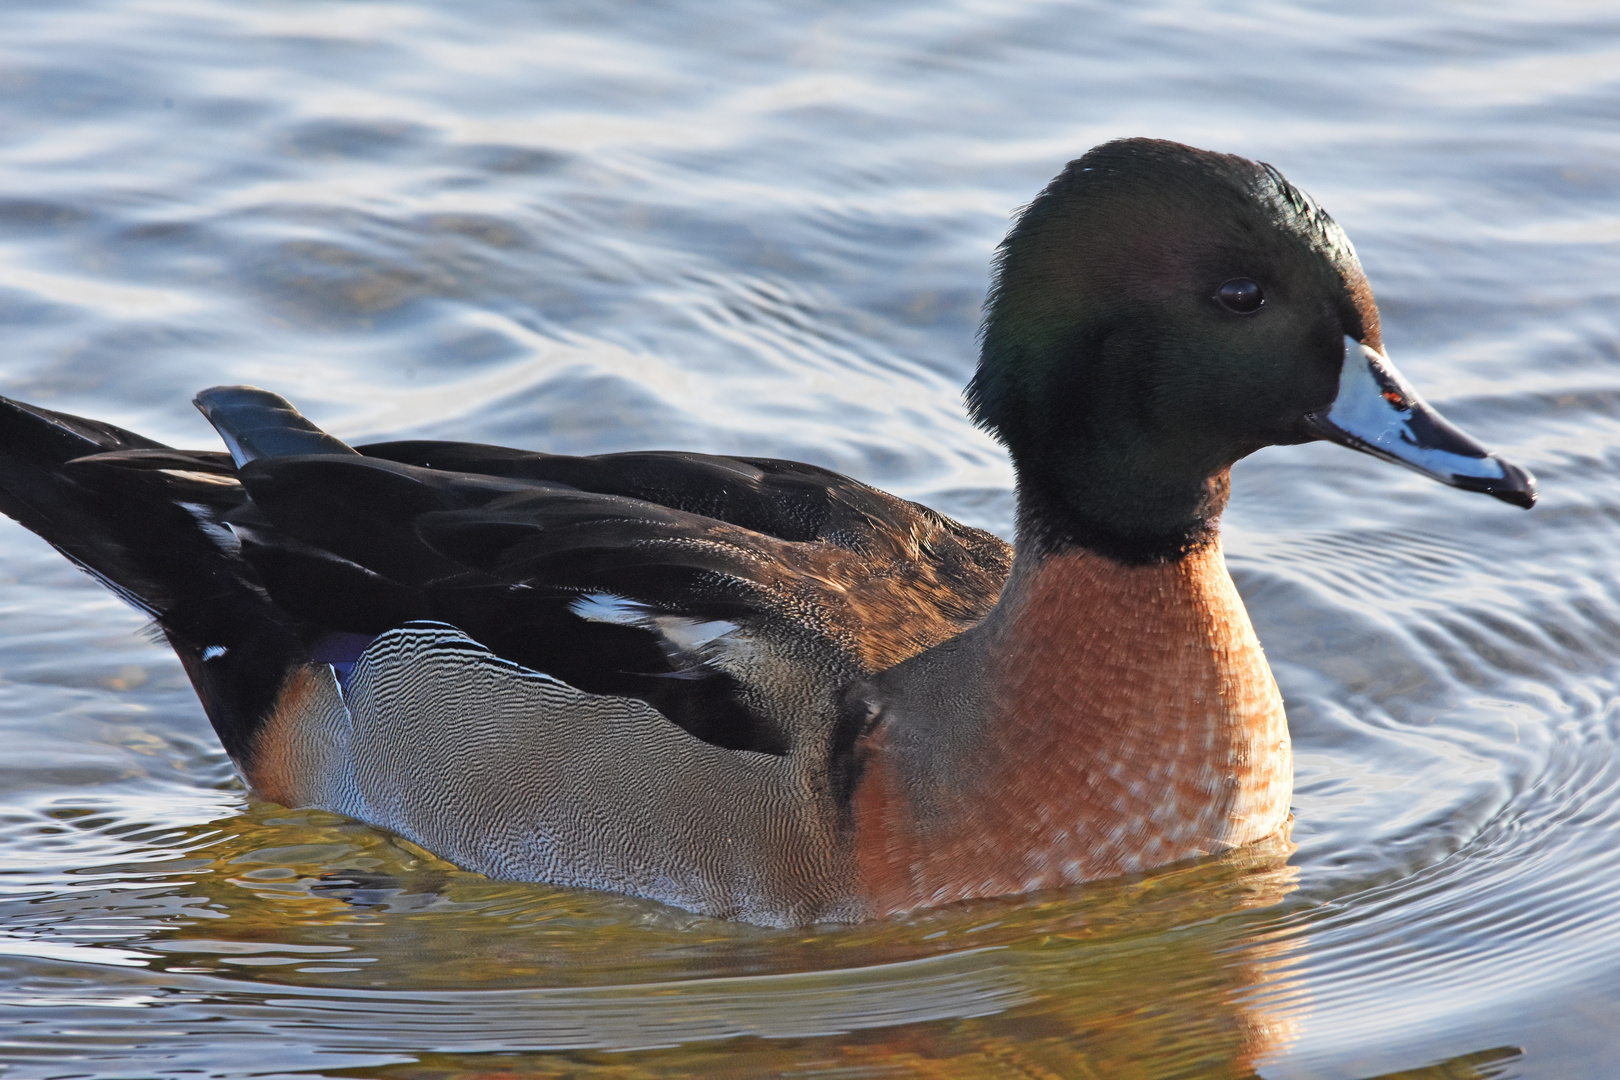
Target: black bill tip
pixel 1515 485
pixel 1377 412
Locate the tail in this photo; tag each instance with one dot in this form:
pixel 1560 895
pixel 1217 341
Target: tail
pixel 149 522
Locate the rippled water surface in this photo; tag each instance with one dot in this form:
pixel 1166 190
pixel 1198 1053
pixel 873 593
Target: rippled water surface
pixel 764 228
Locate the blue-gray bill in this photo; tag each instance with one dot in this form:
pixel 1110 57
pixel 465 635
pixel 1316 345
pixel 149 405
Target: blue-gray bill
pixel 1378 413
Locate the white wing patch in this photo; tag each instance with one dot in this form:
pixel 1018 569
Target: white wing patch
pixel 608 608
pixel 222 536
pixel 701 639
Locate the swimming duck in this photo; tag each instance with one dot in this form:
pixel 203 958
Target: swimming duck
pixel 757 689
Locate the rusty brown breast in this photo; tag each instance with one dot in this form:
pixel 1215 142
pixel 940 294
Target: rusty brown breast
pixel 1133 721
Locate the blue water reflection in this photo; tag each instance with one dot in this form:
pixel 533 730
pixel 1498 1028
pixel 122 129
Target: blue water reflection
pixel 765 229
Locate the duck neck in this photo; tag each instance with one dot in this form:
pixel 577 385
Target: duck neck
pixel 1124 509
pixel 1105 718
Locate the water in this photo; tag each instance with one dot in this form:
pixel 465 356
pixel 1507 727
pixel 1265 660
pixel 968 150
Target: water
pixel 760 228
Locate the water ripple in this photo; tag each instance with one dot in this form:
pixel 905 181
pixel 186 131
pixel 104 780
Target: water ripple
pixel 765 229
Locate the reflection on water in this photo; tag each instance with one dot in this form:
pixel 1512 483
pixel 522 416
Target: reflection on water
pixel 765 230
pixel 256 920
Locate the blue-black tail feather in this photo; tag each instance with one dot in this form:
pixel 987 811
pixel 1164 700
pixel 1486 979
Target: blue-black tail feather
pixel 147 521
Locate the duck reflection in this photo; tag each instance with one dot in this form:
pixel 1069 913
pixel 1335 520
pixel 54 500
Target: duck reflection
pixel 1188 971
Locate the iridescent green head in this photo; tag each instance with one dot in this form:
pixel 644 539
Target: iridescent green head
pixel 1159 312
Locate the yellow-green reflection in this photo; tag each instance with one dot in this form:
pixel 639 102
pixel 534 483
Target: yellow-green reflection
pixel 1178 973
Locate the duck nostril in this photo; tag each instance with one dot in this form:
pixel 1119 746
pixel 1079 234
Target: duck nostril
pixel 1241 295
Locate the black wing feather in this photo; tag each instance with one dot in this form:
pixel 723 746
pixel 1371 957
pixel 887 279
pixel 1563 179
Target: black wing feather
pixel 145 520
pixel 297 538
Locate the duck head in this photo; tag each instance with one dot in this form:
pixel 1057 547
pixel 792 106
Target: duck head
pixel 1159 312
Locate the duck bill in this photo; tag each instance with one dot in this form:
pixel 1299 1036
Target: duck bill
pixel 1378 413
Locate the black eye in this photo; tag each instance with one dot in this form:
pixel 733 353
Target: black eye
pixel 1240 295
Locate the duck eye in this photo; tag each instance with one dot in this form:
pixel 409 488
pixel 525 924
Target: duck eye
pixel 1240 295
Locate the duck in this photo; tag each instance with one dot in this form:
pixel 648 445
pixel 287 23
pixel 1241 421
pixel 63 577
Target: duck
pixel 759 690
